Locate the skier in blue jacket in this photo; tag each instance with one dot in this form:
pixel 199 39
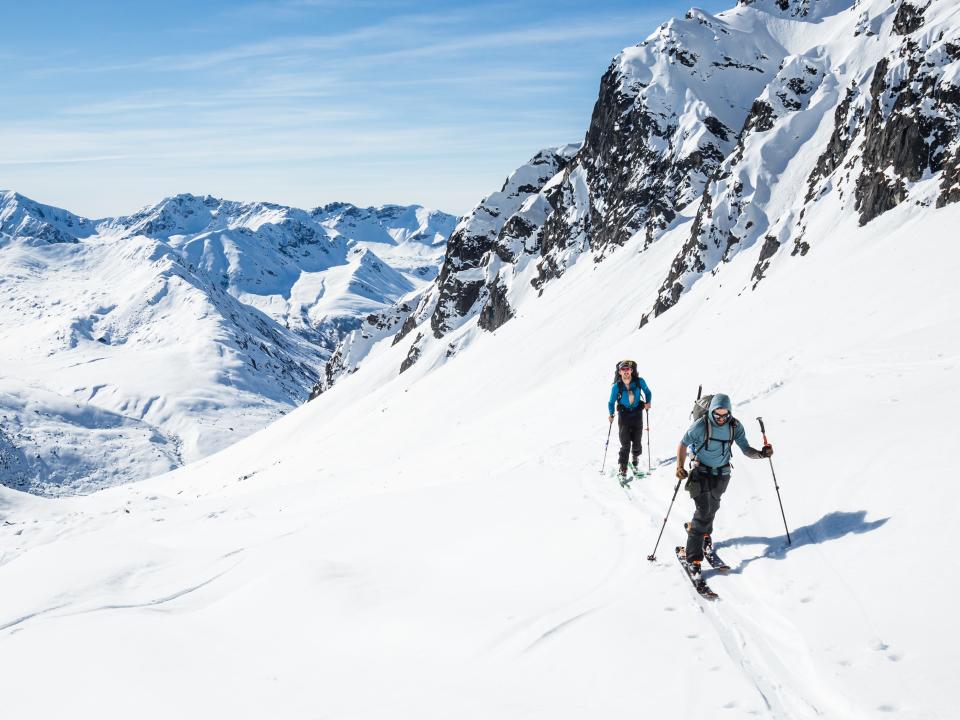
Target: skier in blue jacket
pixel 630 396
pixel 711 437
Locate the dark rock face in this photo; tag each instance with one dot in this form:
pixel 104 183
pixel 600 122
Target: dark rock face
pixel 560 231
pixel 846 124
pixel 769 249
pixel 461 280
pixel 950 185
pixel 909 18
pixel 761 117
pixel 413 354
pixel 409 324
pixel 496 311
pixel 517 229
pixel 900 144
pixel 689 259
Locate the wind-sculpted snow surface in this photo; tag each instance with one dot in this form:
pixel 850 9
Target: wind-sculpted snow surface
pixel 137 343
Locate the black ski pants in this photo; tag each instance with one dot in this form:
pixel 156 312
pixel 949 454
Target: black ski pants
pixel 631 433
pixel 706 491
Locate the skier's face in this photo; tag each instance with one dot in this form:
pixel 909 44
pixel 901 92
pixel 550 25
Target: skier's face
pixel 624 373
pixel 721 416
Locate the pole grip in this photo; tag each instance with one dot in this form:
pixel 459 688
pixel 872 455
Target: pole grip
pixel 763 431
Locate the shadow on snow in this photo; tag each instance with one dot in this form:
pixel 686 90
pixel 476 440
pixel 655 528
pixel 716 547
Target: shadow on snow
pixel 830 527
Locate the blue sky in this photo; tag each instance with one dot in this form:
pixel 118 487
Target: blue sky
pixel 109 106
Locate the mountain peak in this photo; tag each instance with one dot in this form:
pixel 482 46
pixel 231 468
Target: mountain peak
pixel 22 217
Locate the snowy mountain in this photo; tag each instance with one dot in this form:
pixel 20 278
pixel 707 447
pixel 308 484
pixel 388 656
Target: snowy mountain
pixel 753 120
pixel 439 542
pixel 102 316
pixel 451 524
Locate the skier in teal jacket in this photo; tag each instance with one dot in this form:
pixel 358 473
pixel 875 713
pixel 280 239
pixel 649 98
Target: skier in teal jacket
pixel 711 437
pixel 630 396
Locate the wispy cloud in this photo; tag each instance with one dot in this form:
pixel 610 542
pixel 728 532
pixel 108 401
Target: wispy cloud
pixel 312 93
pixel 412 36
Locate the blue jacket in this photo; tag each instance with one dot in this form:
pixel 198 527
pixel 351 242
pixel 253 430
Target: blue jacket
pixel 624 400
pixel 719 450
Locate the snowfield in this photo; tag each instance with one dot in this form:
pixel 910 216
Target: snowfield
pixel 441 544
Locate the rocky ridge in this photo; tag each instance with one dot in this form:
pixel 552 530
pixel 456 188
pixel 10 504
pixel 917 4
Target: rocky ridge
pixel 747 121
pixel 868 121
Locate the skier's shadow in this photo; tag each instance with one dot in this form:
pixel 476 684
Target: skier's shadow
pixel 830 527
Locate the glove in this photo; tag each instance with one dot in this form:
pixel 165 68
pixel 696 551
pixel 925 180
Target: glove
pixel 681 473
pixel 766 451
pixel 610 419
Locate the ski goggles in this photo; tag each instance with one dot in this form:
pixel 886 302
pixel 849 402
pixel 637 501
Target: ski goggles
pixel 626 365
pixel 721 417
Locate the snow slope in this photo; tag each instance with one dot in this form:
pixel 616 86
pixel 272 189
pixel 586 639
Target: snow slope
pixel 441 543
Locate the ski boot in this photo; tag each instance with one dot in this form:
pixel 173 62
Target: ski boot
pixel 709 553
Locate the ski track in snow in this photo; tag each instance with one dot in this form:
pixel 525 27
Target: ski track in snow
pixel 742 625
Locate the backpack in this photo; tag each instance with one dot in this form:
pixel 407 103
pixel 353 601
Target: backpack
pixel 700 408
pixel 634 378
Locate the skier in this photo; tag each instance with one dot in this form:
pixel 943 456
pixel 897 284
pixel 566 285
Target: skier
pixel 711 437
pixel 630 396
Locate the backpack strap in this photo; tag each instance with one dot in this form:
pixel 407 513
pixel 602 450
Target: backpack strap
pixel 704 443
pixel 733 429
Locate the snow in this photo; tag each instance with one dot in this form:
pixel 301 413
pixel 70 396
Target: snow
pixel 441 542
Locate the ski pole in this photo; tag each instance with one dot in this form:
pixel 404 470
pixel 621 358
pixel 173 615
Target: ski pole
pixel 649 460
pixel 653 556
pixel 605 447
pixel 764 433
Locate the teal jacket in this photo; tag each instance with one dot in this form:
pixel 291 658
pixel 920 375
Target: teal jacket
pixel 638 386
pixel 719 450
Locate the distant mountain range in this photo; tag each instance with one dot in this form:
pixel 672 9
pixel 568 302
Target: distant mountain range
pixel 137 343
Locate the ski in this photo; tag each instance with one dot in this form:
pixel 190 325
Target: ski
pixel 632 474
pixel 699 584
